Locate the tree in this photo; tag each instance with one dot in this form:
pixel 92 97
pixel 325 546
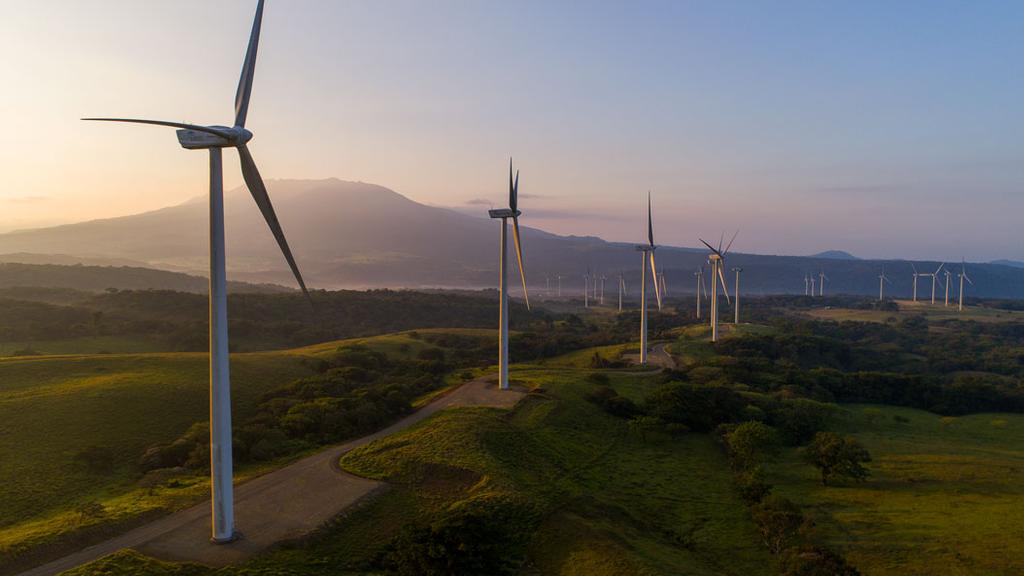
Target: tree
pixel 779 521
pixel 750 442
pixel 837 456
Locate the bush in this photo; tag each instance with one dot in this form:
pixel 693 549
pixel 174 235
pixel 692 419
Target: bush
pixel 836 456
pixel 485 538
pixel 779 521
pixel 752 486
pixel 701 408
pixel 750 443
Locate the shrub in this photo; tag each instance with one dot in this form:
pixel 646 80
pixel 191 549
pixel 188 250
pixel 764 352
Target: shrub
pixel 750 443
pixel 779 521
pixel 837 456
pixel 817 561
pixel 752 486
pixel 701 408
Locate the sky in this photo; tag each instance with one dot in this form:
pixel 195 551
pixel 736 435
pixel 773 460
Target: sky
pixel 887 129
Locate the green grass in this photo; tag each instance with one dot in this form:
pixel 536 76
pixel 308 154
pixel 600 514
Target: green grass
pixel 90 345
pixel 53 407
pixel 614 504
pixel 946 495
pixel 934 313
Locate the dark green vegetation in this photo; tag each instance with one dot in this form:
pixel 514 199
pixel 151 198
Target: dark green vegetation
pixel 100 278
pixel 716 467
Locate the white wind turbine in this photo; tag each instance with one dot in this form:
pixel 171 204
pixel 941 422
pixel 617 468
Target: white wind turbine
pixel 916 275
pixel 214 139
pixel 821 282
pixel 736 292
pixel 882 280
pixel 622 289
pixel 559 278
pixel 935 277
pixel 586 289
pixel 948 274
pixel 717 258
pixel 963 276
pixel 603 278
pixel 648 253
pixel 807 284
pixel 664 285
pixel 504 214
pixel 813 282
pixel 701 287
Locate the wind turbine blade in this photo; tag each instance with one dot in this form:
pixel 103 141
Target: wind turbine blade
pixel 248 69
pixel 207 129
pixel 914 267
pixel 725 288
pixel 650 221
pixel 254 182
pixel 939 268
pixel 519 258
pixel 513 197
pixel 709 246
pixel 654 276
pixel 733 239
pixel 721 239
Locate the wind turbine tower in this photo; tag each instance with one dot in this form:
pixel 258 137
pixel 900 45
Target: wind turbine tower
pixel 963 276
pixel 717 258
pixel 948 274
pixel 807 284
pixel 935 277
pixel 882 280
pixel 916 275
pixel 736 291
pixel 622 289
pixel 586 289
pixel 215 139
pixel 559 278
pixel 504 214
pixel 647 251
pixel 821 283
pixel 699 275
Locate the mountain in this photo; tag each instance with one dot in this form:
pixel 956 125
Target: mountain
pixel 359 235
pixel 100 278
pixel 1012 263
pixel 835 255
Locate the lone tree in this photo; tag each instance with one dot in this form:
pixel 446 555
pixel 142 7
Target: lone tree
pixel 750 443
pixel 837 456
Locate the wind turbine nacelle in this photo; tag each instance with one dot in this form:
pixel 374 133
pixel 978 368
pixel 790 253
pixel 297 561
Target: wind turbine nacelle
pixel 195 140
pixel 503 213
pixel 644 248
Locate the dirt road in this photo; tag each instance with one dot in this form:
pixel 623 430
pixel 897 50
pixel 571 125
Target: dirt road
pixel 280 505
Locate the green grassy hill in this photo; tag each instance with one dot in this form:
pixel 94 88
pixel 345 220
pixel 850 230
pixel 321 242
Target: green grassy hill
pixel 946 495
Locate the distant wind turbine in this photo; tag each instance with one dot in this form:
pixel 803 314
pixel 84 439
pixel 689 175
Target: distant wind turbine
pixel 214 139
pixel 916 275
pixel 821 282
pixel 504 214
pixel 717 258
pixel 586 289
pixel 701 287
pixel 736 292
pixel 948 274
pixel 963 276
pixel 622 289
pixel 813 282
pixel 882 280
pixel 603 278
pixel 648 253
pixel 807 284
pixel 559 278
pixel 935 277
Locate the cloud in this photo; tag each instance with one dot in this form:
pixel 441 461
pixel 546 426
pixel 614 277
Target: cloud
pixel 573 215
pixel 478 202
pixel 531 196
pixel 26 199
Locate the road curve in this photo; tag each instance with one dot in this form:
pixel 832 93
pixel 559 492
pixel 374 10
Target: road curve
pixel 280 505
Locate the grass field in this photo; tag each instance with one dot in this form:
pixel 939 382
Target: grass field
pixel 54 407
pixel 946 495
pixel 935 313
pixel 91 345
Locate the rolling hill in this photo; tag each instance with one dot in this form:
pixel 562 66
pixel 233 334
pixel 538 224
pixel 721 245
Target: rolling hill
pixel 337 231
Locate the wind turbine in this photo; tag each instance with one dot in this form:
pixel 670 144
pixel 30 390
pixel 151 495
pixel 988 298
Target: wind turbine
pixel 559 278
pixel 603 278
pixel 882 279
pixel 664 285
pixel 701 287
pixel 948 274
pixel 963 276
pixel 916 275
pixel 935 277
pixel 547 285
pixel 504 214
pixel 821 283
pixel 717 258
pixel 622 289
pixel 648 253
pixel 214 139
pixel 586 289
pixel 813 281
pixel 807 284
pixel 736 291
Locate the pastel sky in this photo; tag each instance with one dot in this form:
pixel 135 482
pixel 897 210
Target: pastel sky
pixel 888 129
